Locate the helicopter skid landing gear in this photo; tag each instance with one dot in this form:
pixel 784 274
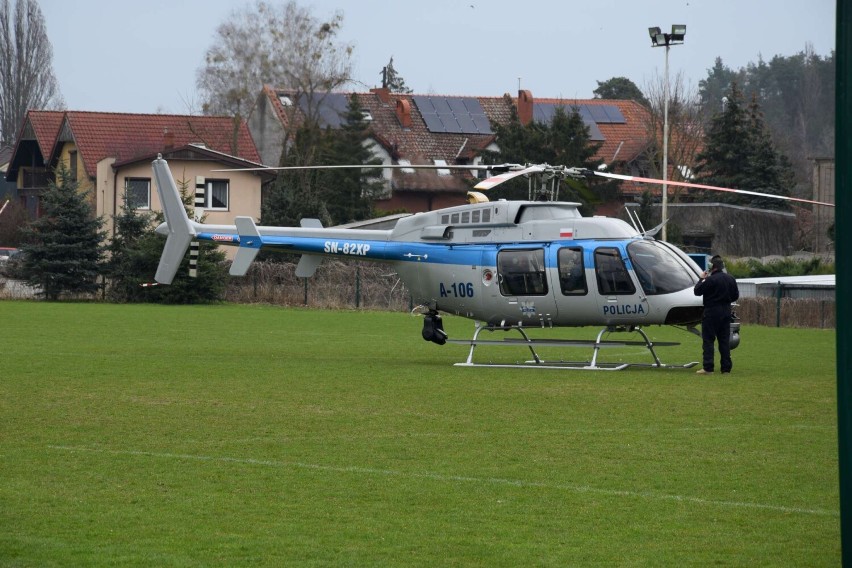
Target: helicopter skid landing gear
pixel 592 365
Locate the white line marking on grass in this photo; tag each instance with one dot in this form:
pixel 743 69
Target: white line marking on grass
pixel 459 478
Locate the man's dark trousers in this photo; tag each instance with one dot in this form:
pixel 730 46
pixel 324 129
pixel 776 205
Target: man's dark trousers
pixel 716 326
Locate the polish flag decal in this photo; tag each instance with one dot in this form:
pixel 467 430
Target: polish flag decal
pixel 566 233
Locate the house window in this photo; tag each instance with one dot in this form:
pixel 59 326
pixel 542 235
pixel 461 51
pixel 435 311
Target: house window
pixel 72 164
pixel 138 193
pixel 216 195
pixel 442 171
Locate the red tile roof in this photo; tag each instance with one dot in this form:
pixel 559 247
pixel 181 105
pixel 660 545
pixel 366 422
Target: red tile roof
pixel 623 141
pixel 46 125
pixel 100 135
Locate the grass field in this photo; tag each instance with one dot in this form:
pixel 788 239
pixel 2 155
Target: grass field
pixel 235 435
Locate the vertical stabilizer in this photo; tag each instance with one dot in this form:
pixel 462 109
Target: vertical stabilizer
pixel 180 228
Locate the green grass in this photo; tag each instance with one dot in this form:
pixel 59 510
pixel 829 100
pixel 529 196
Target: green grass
pixel 234 435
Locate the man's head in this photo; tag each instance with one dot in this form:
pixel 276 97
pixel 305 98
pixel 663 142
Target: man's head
pixel 716 263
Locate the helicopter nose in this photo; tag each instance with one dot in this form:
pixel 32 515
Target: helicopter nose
pixel 685 315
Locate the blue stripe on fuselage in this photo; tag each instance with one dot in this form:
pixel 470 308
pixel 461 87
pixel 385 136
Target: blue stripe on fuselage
pixel 355 248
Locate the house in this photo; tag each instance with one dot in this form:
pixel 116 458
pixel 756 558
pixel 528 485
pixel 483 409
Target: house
pixel 8 190
pixel 410 129
pixel 110 155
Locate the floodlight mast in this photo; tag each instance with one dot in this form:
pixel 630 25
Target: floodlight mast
pixel 659 39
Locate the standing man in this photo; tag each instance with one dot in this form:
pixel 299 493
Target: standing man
pixel 719 290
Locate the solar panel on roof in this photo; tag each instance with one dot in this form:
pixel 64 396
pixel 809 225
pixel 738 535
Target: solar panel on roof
pixel 481 123
pixel 466 123
pixel 595 132
pixel 441 105
pixel 463 115
pixel 598 113
pixel 450 122
pixel 424 104
pixel 433 123
pixel 457 106
pixel 614 114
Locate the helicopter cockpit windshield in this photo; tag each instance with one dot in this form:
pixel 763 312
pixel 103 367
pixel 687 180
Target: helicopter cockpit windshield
pixel 659 270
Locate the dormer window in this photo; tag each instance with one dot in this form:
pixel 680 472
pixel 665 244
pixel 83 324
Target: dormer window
pixel 367 116
pixel 442 171
pixel 404 162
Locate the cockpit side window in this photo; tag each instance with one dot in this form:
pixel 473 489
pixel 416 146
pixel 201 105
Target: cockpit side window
pixel 611 273
pixel 572 274
pixel 660 271
pixel 521 272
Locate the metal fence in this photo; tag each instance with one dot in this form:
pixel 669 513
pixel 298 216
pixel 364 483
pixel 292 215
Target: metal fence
pixel 355 285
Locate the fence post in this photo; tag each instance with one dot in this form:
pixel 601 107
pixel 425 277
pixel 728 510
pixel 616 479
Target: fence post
pixel 357 286
pixel 778 305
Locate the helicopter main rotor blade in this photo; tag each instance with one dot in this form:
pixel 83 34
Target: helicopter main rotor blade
pixel 498 179
pixel 493 167
pixel 710 187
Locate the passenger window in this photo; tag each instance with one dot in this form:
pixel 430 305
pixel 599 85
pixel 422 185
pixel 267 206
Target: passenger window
pixel 611 273
pixel 521 272
pixel 572 275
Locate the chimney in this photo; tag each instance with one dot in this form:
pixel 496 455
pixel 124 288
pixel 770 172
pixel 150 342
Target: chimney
pixel 168 139
pixel 525 106
pixel 403 112
pixel 383 93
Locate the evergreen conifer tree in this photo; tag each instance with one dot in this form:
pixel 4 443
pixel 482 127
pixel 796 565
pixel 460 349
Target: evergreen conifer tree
pixel 563 142
pixel 348 193
pixel 135 254
pixel 332 196
pixel 738 153
pixel 64 250
pixel 294 195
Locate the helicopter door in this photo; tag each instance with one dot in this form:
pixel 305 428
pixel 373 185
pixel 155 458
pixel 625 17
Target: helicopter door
pixel 523 279
pixel 619 301
pixel 575 296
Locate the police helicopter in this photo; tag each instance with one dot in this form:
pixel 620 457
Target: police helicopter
pixel 510 266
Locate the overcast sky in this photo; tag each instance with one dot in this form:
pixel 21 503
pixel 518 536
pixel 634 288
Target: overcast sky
pixel 142 57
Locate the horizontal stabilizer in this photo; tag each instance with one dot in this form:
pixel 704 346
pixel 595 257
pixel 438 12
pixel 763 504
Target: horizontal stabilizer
pixel 310 223
pixel 250 243
pixel 308 265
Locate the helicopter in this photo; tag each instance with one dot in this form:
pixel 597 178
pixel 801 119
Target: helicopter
pixel 510 266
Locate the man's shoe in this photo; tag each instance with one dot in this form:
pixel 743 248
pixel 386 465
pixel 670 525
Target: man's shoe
pixel 703 372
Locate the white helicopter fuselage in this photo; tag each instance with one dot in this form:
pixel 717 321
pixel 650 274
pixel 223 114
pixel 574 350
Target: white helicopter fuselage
pixel 507 262
pixel 508 265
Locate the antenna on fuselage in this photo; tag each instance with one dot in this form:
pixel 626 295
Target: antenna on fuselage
pixel 637 222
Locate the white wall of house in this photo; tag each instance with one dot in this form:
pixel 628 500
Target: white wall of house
pixel 243 195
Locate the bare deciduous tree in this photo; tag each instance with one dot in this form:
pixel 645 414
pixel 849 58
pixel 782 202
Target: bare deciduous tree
pixel 685 128
pixel 282 45
pixel 26 66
